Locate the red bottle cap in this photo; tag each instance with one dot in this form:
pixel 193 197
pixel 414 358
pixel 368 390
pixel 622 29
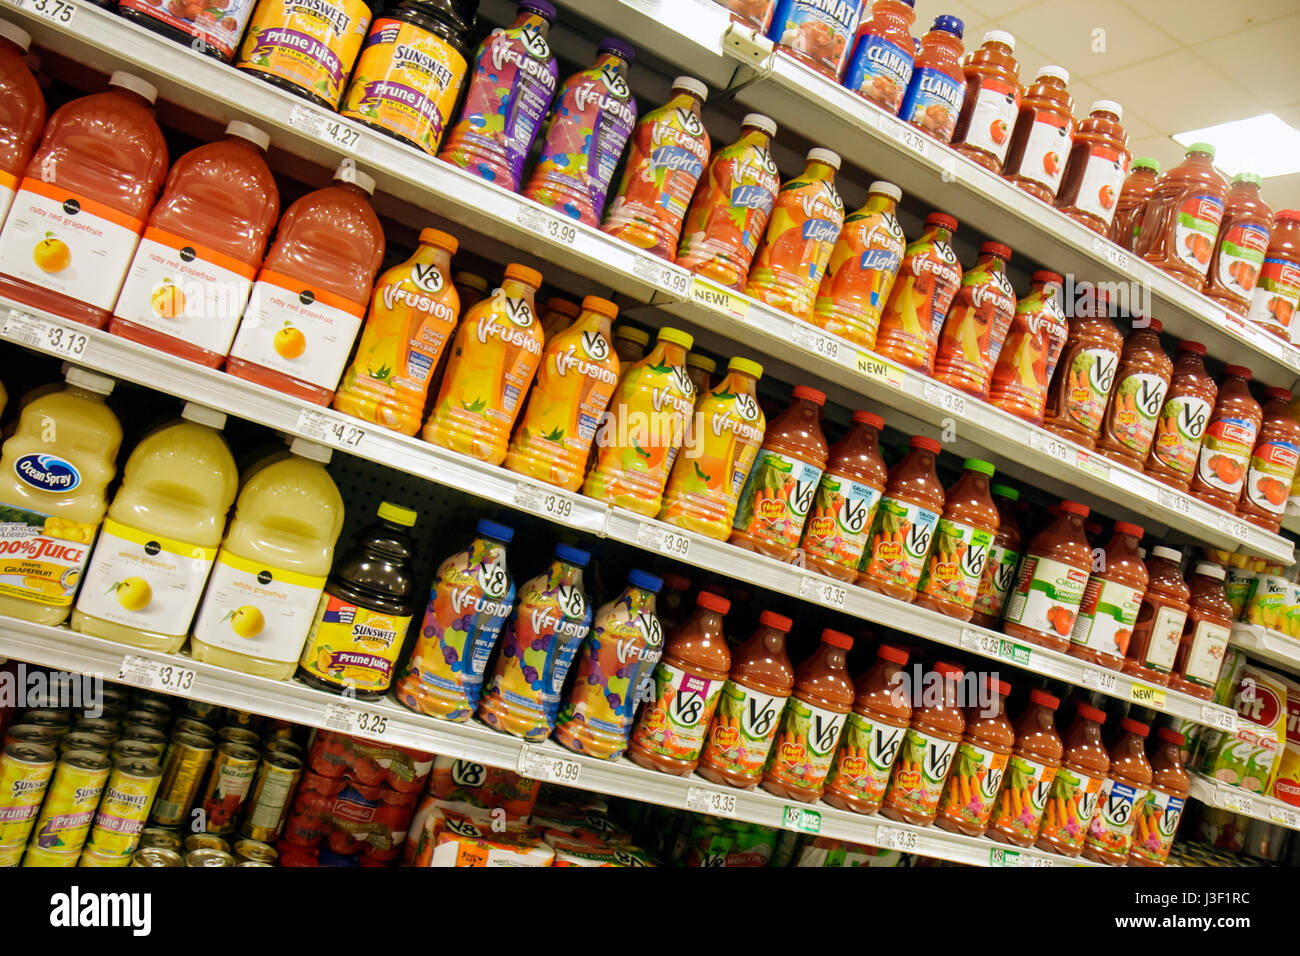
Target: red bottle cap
pixel 1154 325
pixel 1123 527
pixel 1049 701
pixel 1088 712
pixel 1237 371
pixel 1001 686
pixel 1293 215
pixel 941 219
pixel 810 394
pixel 676 582
pixel 1278 394
pixel 895 655
pixel 1171 736
pixel 925 444
pixel 1074 508
pixel 713 602
pixel 1135 726
pixel 837 639
pixel 1196 347
pixel 875 421
pixel 996 249
pixel 945 669
pixel 778 621
pixel 1048 278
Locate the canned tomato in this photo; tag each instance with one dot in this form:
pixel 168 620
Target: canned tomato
pixel 101 726
pixel 156 856
pixel 209 858
pixel 188 725
pixel 38 856
pixel 231 779
pixel 187 758
pixel 161 836
pixel 70 805
pixel 89 857
pixel 82 741
pixel 31 734
pixel 125 806
pixel 205 841
pixel 135 750
pixel 255 851
pixel 239 735
pixel 25 772
pixel 268 806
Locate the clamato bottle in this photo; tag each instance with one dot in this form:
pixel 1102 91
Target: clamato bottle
pixel 979 766
pixel 1085 375
pixel 1182 217
pixel 977 324
pixel 1123 793
pixel 1053 576
pixel 962 539
pixel 1072 799
pixel 1141 383
pixel 1043 137
pixel 1229 438
pixel 1098 166
pixel 873 735
pixel 1205 635
pixel 926 756
pixel 905 523
pixel 992 103
pixel 1241 244
pixel 1161 618
pixel 839 525
pixel 1139 185
pixel 1003 560
pixel 1111 602
pixel 880 66
pixel 1018 810
pixel 1272 464
pixel 1180 428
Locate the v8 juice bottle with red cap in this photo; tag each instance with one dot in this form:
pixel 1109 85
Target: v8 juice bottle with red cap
pixel 873 735
pixel 904 527
pixel 880 66
pixel 1043 137
pixel 1018 810
pixel 1053 576
pixel 1098 166
pixel 1272 464
pixel 1123 794
pixel 844 509
pixel 979 764
pixel 1180 428
pixel 962 539
pixel 926 755
pixel 1277 295
pixel 1139 185
pixel 988 113
pixel 938 86
pixel 1141 383
pixel 1111 601
pixel 1229 438
pixel 1085 375
pixel 816 32
pixel 1240 247
pixel 921 295
pixel 977 324
pixel 22 111
pixel 1003 561
pixel 306 48
pixel 1159 816
pixel 1181 219
pixel 1205 635
pixel 1161 616
pixel 1024 369
pixel 1072 799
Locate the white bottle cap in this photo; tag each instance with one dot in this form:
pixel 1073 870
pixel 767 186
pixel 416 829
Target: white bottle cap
pixel 15 35
pixel 759 121
pixel 304 448
pixel 1060 72
pixel 886 189
pixel 202 415
pixel 259 138
pixel 1107 106
pixel 691 85
pixel 1169 554
pixel 348 173
pixel 1000 36
pixel 827 156
pixel 90 381
pixel 1209 570
pixel 129 81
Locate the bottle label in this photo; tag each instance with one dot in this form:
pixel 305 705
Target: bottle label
pixel 256 610
pixel 1106 617
pixel 993 117
pixel 880 70
pixel 1277 296
pixel 933 102
pixel 1103 178
pixel 62 241
pixel 1241 254
pixel 1071 803
pixel 976 777
pixel 1046 150
pixel 1153 835
pixel 997 580
pixel 1196 225
pixel 1088 381
pixel 900 541
pixel 816 30
pixel 8 189
pixel 865 757
pixel 743 729
pixel 145 581
pixel 1023 800
pixel 806 744
pixel 956 563
pixel 1111 830
pixel 1166 633
pixel 778 495
pixel 218 26
pixel 839 524
pixel 42 556
pixel 1047 596
pixel 297 331
pixel 1209 642
pixel 729 213
pixel 674 722
pixel 1272 469
pixel 859 276
pixel 353 646
pixel 1135 408
pixel 1225 453
pixel 1179 431
pixel 920 772
pixel 311 45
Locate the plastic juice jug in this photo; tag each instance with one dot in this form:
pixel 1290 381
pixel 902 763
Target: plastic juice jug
pixel 1160 620
pixel 938 87
pixel 557 315
pixel 1141 383
pixel 365 612
pixel 672 607
pixel 880 66
pixel 1158 818
pixel 510 92
pixel 724 437
pixel 1229 438
pixel 838 528
pixel 816 34
pixel 1123 794
pixel 271 569
pixel 1084 376
pixel 618 656
pixel 992 102
pixel 905 523
pixel 494 358
pixel 1181 219
pixel 537 646
pixel 1073 798
pixel 160 537
pixel 962 539
pixel 1205 635
pixel 1019 384
pixel 1272 464
pixel 82 202
pixel 927 751
pixel 1052 579
pixel 306 307
pixel 644 428
pixel 792 259
pixel 701 369
pixel 1242 242
pixel 273 49
pixel 669 149
pixel 779 491
pixel 979 765
pixel 1003 560
pixel 629 344
pixel 1097 168
pixel 921 295
pixel 1111 602
pixel 471 597
pixel 1181 425
pixel 593 117
pixel 862 268
pixel 873 735
pixel 575 381
pixel 1043 137
pixel 1277 294
pixel 54 470
pixel 972 335
pixel 22 111
pixel 193 270
pixel 731 206
pixel 1139 185
pixel 811 722
pixel 413 314
pixel 470 288
pixel 1030 772
pixel 755 14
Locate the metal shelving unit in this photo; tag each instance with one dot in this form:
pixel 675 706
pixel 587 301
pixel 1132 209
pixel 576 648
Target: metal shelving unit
pixel 1214 793
pixel 1270 646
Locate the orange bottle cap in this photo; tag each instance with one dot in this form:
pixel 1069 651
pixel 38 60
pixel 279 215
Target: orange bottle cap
pixel 1278 394
pixel 776 621
pixel 713 602
pixel 1124 527
pixel 809 394
pixel 996 249
pixel 837 639
pixel 521 273
pixel 1237 371
pixel 1135 726
pixel 868 418
pixel 1074 508
pixel 895 655
pixel 594 303
pixel 436 237
pixel 1050 701
pixel 1048 278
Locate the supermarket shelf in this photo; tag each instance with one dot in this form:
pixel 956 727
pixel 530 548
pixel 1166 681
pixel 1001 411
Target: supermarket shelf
pixel 1224 796
pixel 388 721
pixel 1291 516
pixel 1267 645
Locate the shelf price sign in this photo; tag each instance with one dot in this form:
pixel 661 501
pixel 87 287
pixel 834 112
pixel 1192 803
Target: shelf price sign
pixel 351 720
pixel 25 329
pixel 657 537
pixel 328 430
pixel 156 675
pixel 539 764
pixel 801 819
pixel 56 11
pixel 713 802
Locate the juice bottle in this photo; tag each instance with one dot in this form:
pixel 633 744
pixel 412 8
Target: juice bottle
pixel 509 93
pixel 779 491
pixel 81 205
pixel 905 521
pixel 644 429
pixel 271 569
pixel 1181 425
pixel 844 508
pixel 927 752
pixel 725 434
pixel 1229 438
pixel 1241 245
pixel 160 536
pixel 54 470
pixel 1158 818
pixel 1052 579
pixel 880 66
pixel 862 268
pixel 671 607
pixel 938 87
pixel 22 111
pixel 1181 219
pixel 688 680
pixel 274 49
pixel 1085 375
pixel 796 248
pixel 979 765
pixel 992 102
pixel 1003 560
pixel 1160 620
pixel 629 344
pixel 701 369
pixel 1111 602
pixel 873 733
pixel 557 315
pixel 754 14
pixel 962 539
pixel 593 117
pixel 1123 794
pixel 494 357
pixel 1205 635
pixel 1141 383
pixel 575 381
pixel 811 723
pixel 209 28
pixel 669 149
pixel 1043 136
pixel 618 656
pixel 1272 463
pixel 1277 294
pixel 1098 166
pixel 749 709
pixel 1030 773
pixel 306 307
pixel 1073 798
pixel 1138 187
pixel 1019 384
pixel 471 597
pixel 413 313
pixel 537 646
pixel 731 206
pixel 920 298
pixel 471 288
pixel 816 34
pixel 194 268
pixel 972 335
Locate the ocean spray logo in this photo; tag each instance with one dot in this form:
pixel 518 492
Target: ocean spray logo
pixel 47 472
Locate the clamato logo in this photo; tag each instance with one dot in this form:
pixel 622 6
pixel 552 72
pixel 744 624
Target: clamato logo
pixel 76 909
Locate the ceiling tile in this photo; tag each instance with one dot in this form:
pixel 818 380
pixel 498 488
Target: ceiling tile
pixel 1160 148
pixel 927 10
pixel 1283 192
pixel 1262 59
pixel 1178 91
pixel 1196 21
pixel 1068 29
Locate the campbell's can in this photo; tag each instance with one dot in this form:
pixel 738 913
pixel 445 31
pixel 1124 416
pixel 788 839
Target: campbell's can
pixel 69 807
pixel 229 783
pixel 268 805
pixel 124 808
pixel 25 772
pixel 188 756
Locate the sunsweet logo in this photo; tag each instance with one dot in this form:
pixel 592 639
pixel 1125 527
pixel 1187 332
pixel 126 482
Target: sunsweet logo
pixel 47 472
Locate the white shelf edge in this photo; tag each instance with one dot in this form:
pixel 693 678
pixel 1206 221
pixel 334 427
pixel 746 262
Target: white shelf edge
pixel 1267 645
pixel 1215 793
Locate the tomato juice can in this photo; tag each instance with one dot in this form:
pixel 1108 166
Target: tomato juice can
pixel 229 782
pixel 268 806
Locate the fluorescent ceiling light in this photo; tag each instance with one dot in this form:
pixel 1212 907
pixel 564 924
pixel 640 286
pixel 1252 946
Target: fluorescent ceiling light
pixel 1262 144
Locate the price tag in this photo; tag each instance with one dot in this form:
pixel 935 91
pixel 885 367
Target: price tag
pixel 348 719
pixel 547 225
pixel 896 839
pixel 670 278
pixel 1174 501
pixel 826 346
pixel 56 11
pixel 1001 857
pixel 1292 356
pixel 1099 679
pixel 1111 253
pixel 910 137
pixel 713 802
pixel 549 504
pixel 991 645
pixel 719 299
pixel 329 431
pixel 665 540
pixel 156 675
pixel 330 128
pixel 945 398
pixel 1220 717
pixel 823 591
pixel 1285 816
pixel 1094 465
pixel 802 819
pixel 68 341
pixel 1049 444
pixel 880 370
pixel 1238 530
pixel 550 767
pixel 1235 801
pixel 1147 696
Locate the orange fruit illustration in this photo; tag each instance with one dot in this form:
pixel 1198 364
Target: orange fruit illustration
pixel 289 342
pixel 167 300
pixel 1051 163
pixel 998 131
pixel 52 255
pixel 1107 197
